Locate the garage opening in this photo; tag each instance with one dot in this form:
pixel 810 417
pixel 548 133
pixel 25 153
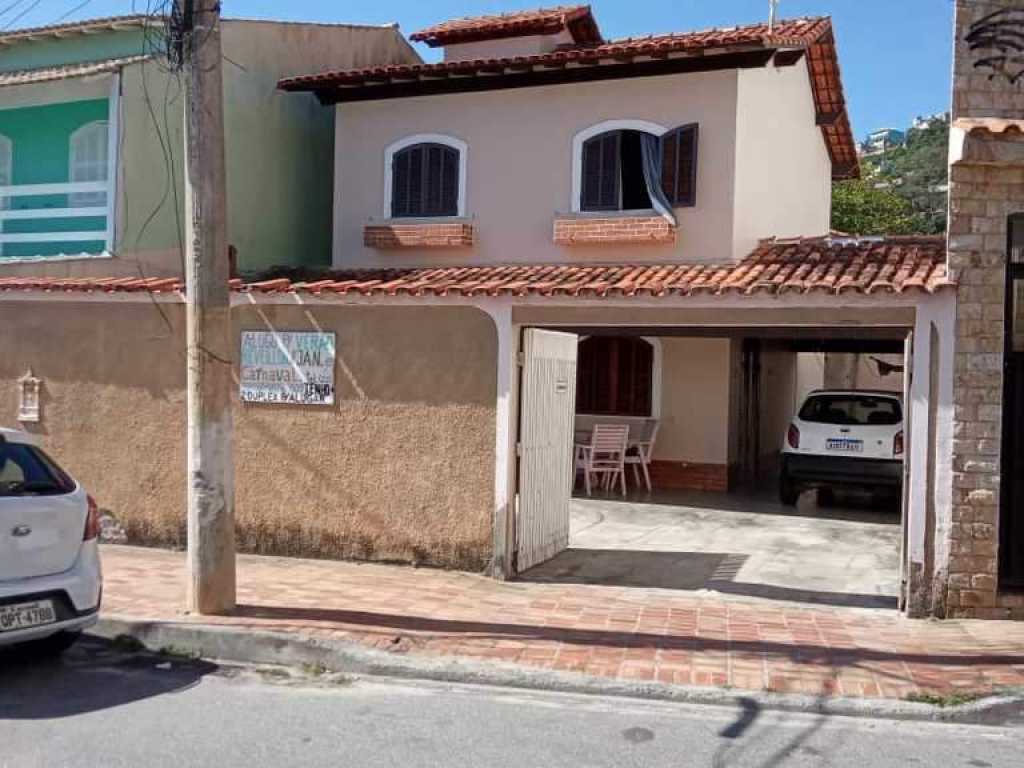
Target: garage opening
pixel 710 495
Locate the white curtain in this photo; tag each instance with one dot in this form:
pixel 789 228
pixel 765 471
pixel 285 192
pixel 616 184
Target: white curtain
pixel 650 147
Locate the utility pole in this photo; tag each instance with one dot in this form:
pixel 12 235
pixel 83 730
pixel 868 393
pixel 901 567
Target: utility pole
pixel 773 10
pixel 211 513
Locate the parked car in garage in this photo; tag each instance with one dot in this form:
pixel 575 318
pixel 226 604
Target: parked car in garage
pixel 50 576
pixel 844 438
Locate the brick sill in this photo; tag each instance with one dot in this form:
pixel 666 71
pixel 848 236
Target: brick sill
pixel 419 233
pixel 640 228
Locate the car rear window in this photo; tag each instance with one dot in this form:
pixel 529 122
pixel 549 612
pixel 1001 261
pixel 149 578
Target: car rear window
pixel 852 410
pixel 26 471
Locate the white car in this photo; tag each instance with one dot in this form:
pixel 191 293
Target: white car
pixel 844 438
pixel 50 577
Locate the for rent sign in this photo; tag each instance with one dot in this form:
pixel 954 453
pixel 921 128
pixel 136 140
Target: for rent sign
pixel 287 367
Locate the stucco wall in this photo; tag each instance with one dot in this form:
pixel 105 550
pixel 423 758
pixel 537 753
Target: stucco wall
pixel 778 400
pixel 401 468
pixel 694 401
pixel 783 171
pixel 519 166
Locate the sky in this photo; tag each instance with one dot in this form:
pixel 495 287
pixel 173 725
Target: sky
pixel 895 54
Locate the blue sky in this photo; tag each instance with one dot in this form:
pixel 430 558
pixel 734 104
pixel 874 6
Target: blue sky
pixel 895 54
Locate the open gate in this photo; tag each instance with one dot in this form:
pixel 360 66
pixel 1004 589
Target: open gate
pixel 547 413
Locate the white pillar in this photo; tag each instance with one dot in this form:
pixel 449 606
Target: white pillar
pixel 506 405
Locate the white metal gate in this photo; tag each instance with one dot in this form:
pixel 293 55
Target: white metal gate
pixel 548 406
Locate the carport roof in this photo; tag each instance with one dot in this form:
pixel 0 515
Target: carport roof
pixel 825 265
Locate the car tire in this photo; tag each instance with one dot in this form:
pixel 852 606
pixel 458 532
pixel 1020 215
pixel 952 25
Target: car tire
pixel 54 645
pixel 789 494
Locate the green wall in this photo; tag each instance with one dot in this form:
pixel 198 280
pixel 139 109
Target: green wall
pixel 33 54
pixel 40 137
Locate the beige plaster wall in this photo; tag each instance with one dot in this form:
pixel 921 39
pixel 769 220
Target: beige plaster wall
pixel 694 401
pixel 783 170
pixel 526 45
pixel 401 468
pixel 519 166
pixel 778 399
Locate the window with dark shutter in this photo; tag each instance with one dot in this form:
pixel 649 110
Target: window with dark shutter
pixel 425 181
pixel 679 166
pixel 601 173
pixel 614 376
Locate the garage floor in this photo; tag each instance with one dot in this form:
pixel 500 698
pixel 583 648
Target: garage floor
pixel 844 554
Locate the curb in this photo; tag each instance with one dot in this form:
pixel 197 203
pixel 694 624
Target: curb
pixel 259 647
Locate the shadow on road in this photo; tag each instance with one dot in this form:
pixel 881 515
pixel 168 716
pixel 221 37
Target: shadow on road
pixel 93 675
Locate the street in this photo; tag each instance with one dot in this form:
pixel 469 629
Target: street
pixel 104 705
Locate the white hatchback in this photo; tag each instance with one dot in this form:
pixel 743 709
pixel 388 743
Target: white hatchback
pixel 50 577
pixel 844 438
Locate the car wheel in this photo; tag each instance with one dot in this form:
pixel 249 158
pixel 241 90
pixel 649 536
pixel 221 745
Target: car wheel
pixel 54 645
pixel 788 492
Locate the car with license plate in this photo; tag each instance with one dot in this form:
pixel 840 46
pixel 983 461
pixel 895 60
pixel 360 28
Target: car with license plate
pixel 844 438
pixel 50 577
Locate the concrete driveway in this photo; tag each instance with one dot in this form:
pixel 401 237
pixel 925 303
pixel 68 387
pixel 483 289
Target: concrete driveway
pixel 745 545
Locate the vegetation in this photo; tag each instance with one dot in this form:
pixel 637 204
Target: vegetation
pixel 903 191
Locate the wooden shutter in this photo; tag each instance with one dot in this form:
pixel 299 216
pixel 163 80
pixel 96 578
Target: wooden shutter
pixel 679 165
pixel 614 376
pixel 425 181
pixel 601 163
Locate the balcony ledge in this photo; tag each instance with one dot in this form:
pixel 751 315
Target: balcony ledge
pixel 613 228
pixel 447 232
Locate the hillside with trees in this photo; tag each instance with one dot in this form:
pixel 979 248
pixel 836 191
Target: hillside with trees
pixel 903 190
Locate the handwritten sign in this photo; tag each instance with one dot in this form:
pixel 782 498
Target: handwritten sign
pixel 294 367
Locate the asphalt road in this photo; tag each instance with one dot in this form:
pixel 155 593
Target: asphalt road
pixel 104 706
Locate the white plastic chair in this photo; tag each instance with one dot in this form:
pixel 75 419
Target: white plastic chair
pixel 605 456
pixel 640 458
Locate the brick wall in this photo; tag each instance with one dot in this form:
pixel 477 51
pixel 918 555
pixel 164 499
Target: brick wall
pixel 982 195
pixel 418 235
pixel 581 230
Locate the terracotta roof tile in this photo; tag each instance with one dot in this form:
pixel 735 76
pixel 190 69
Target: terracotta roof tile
pixel 67 71
pixel 832 266
pixel 542 21
pixel 811 35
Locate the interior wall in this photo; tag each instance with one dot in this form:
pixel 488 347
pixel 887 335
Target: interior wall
pixel 778 401
pixel 694 401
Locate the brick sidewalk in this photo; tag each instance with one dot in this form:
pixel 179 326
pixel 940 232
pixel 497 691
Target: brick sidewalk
pixel 618 632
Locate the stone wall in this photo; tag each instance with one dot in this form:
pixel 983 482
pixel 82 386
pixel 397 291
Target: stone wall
pixel 982 195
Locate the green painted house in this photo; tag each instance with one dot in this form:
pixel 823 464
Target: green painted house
pixel 92 144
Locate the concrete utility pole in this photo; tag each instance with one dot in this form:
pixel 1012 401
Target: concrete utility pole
pixel 773 10
pixel 211 513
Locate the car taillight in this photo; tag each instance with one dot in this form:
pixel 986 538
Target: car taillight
pixel 793 437
pixel 897 444
pixel 92 521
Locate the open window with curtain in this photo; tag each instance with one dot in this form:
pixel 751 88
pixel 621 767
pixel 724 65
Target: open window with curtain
pixel 630 170
pixel 615 376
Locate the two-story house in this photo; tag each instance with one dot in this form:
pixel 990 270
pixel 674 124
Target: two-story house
pixel 545 229
pixel 92 144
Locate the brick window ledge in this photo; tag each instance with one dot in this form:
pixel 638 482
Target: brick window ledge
pixel 419 233
pixel 613 228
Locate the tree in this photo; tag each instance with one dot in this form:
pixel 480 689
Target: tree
pixel 859 207
pixel 915 173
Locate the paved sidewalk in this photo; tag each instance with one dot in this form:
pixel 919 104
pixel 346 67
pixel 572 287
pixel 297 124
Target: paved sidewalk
pixel 624 633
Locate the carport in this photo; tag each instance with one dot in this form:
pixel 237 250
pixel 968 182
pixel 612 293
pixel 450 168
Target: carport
pixel 717 524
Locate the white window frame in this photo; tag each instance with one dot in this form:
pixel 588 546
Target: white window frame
pixel 644 126
pixel 425 138
pixel 6 175
pixel 89 199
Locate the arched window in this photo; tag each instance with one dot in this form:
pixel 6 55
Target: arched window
pixel 615 376
pixel 87 161
pixel 426 177
pixel 634 165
